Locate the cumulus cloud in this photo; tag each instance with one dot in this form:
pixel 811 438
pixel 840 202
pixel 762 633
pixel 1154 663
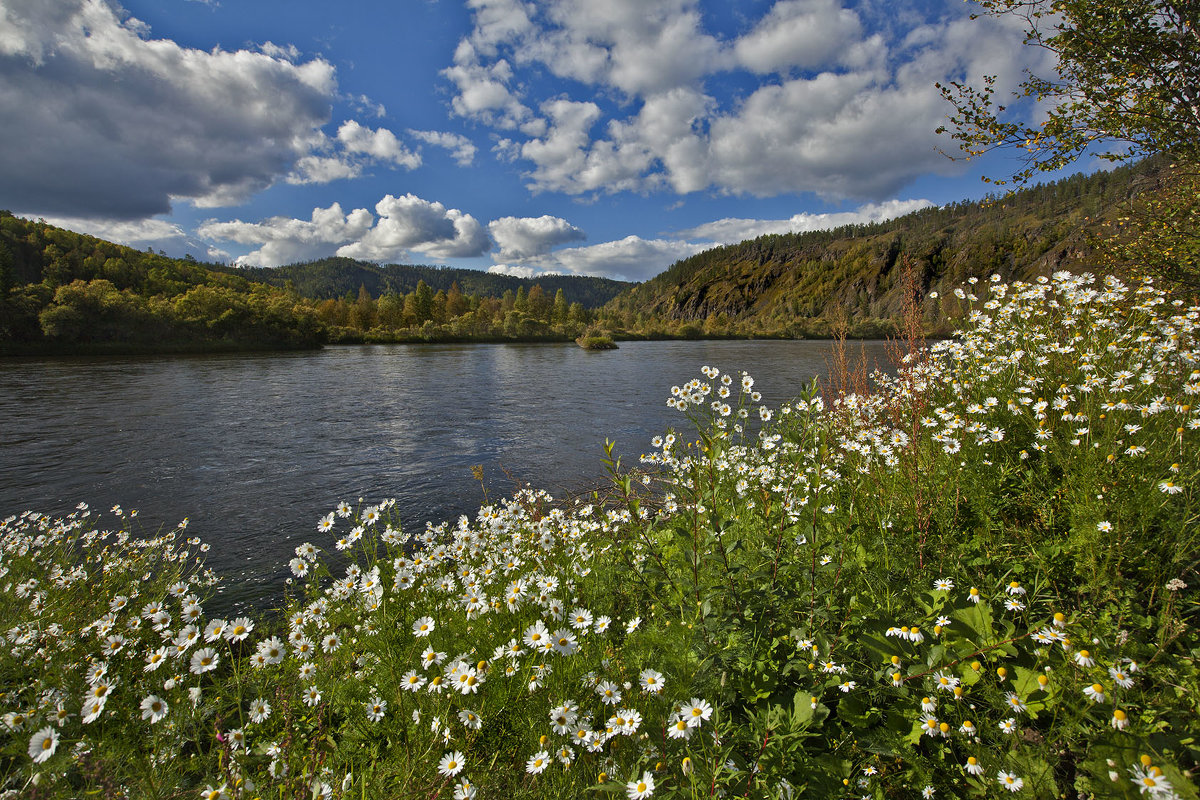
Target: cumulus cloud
pixel 630 259
pixel 405 225
pixel 98 118
pixel 733 229
pixel 823 104
pixel 459 146
pixel 517 271
pixel 409 224
pixel 798 33
pixel 523 237
pixel 284 240
pixel 380 144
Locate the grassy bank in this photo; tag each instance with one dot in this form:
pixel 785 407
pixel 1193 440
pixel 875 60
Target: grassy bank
pixel 976 579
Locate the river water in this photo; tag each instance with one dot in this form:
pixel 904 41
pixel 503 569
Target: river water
pixel 254 449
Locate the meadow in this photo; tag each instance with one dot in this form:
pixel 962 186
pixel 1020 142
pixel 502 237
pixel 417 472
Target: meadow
pixel 974 578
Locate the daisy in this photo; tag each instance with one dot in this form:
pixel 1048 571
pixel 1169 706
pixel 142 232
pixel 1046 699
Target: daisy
pixel 640 789
pixel 451 764
pixel 1010 781
pixel 652 681
pixel 943 584
pixel 412 681
pixel 536 635
pixel 311 696
pixel 215 630
pixel 1084 659
pixel 609 693
pixel 43 744
pixel 696 711
pixel 423 627
pixel 239 629
pixel 1120 678
pixel 259 711
pixel 204 660
pixel 973 766
pixel 679 728
pixel 1008 725
pixel 470 719
pixel 331 643
pixel 1119 719
pixel 1170 487
pixel 1095 692
pixel 1015 588
pixel 154 708
pixel 155 659
pixel 1150 779
pixel 581 619
pixel 538 762
pixel 564 642
pixel 376 709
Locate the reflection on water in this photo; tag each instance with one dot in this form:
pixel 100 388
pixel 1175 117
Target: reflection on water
pixel 253 449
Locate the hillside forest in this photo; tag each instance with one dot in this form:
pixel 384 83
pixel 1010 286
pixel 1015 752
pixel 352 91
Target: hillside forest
pixel 65 292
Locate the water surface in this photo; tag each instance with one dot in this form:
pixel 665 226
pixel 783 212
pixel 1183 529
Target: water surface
pixel 253 449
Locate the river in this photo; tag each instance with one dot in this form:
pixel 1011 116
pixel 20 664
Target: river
pixel 254 449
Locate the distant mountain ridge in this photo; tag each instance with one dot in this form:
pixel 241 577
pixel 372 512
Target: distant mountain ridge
pixel 335 277
pixel 795 284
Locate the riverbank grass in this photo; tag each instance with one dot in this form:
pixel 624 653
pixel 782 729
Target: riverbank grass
pixel 976 580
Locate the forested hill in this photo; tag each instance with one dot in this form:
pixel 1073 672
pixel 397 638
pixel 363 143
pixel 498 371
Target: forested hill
pixel 66 292
pixel 795 284
pixel 330 278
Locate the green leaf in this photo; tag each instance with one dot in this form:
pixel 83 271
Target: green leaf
pixel 977 619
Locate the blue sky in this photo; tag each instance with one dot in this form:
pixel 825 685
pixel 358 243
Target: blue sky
pixel 600 137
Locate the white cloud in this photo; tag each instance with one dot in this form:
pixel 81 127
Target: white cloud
pixel 284 240
pixel 380 144
pixel 517 271
pixel 822 103
pixel 798 33
pixel 97 118
pixel 522 237
pixel 127 232
pixel 459 146
pixel 405 225
pixel 409 224
pixel 733 229
pixel 630 259
pixel 483 91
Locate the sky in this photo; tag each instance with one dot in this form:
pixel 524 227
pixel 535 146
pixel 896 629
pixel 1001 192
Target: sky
pixel 591 137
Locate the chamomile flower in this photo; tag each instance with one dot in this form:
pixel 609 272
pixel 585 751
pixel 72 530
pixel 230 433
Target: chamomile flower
pixel 652 681
pixel 1010 781
pixel 43 744
pixel 696 711
pixel 538 762
pixel 451 764
pixel 639 789
pixel 260 710
pixel 154 708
